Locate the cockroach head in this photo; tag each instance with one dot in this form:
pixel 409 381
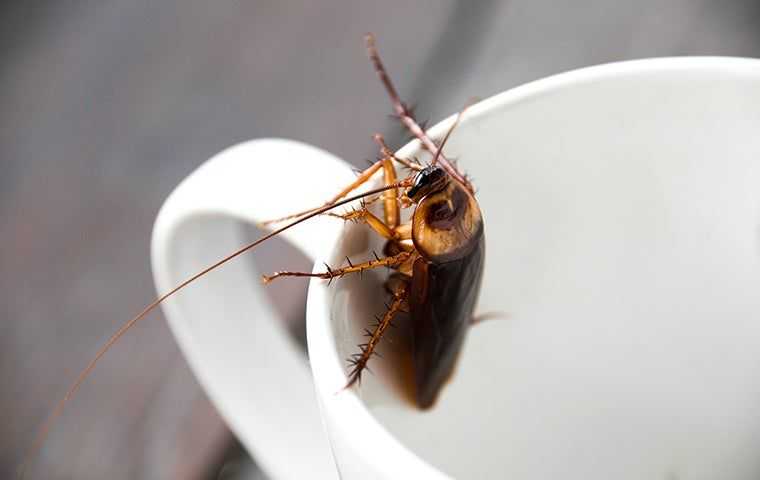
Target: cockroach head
pixel 428 180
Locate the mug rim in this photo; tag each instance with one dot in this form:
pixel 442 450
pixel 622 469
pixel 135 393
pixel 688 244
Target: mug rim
pixel 327 366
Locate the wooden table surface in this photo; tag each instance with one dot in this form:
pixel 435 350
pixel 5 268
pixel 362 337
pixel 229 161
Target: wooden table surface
pixel 105 106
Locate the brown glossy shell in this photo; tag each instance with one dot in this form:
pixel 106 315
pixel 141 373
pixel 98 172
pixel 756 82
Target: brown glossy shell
pixel 448 233
pixel 446 224
pixel 442 302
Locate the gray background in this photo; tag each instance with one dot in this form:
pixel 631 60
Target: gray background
pixel 106 105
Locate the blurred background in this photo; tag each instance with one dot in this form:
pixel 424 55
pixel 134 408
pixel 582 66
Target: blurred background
pixel 106 105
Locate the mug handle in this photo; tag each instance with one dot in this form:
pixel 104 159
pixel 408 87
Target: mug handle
pixel 252 370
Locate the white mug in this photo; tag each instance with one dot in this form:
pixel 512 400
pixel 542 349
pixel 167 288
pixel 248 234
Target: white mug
pixel 622 220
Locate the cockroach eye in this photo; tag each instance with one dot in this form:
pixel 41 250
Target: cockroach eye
pixel 427 181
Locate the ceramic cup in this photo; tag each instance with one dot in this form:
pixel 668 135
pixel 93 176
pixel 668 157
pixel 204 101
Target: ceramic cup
pixel 622 222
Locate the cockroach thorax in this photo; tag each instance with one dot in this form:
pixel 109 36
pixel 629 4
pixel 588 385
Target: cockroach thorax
pixel 447 224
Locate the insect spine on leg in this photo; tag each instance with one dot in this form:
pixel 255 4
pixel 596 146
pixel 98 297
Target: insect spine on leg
pixel 407 117
pixel 332 273
pixel 358 361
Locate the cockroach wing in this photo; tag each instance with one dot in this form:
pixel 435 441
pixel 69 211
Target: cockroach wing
pixel 442 302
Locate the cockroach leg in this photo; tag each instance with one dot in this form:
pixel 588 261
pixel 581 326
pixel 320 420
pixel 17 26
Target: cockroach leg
pixel 364 215
pixel 391 207
pixel 397 234
pixel 404 231
pixel 359 361
pixel 390 228
pixel 412 164
pixel 406 117
pixel 407 267
pixel 331 273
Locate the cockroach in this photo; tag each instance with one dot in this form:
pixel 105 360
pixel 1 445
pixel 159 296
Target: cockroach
pixel 436 258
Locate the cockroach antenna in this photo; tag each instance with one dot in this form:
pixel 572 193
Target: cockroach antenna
pixel 44 430
pixel 435 256
pixel 405 115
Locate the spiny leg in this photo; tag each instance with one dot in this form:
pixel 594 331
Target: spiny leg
pixel 405 115
pixel 391 209
pixel 399 232
pixel 331 273
pixel 358 361
pixel 390 227
pixel 410 164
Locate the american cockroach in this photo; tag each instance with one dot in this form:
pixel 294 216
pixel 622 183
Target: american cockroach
pixel 436 257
